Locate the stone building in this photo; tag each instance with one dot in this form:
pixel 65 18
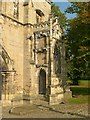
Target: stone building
pixel 29 52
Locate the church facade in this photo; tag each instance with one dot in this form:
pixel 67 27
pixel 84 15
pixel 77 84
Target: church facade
pixel 29 42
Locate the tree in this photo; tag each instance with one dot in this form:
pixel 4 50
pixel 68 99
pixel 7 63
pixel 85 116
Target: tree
pixel 55 10
pixel 78 39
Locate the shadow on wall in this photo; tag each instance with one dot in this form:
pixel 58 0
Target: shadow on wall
pixel 42 82
pixel 0 86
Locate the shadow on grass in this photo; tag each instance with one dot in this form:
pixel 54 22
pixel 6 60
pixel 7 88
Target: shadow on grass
pixel 77 90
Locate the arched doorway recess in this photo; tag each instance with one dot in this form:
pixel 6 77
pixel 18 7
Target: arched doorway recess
pixel 6 74
pixel 42 82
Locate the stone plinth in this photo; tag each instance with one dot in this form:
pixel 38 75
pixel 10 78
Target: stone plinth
pixel 67 94
pixel 56 92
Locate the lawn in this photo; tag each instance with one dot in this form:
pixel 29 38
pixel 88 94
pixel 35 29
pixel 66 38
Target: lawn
pixel 85 83
pixel 80 99
pixel 80 93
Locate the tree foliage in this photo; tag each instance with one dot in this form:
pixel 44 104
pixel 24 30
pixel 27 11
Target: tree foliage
pixel 55 10
pixel 78 40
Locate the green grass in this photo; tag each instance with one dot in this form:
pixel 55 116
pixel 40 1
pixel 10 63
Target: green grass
pixel 84 83
pixel 80 92
pixel 81 99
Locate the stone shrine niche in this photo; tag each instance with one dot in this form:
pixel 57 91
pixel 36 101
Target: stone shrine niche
pixel 16 8
pixel 41 49
pixel 41 42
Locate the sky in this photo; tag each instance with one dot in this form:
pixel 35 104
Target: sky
pixel 63 6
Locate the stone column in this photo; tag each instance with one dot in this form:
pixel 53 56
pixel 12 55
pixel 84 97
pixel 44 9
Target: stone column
pixel 48 47
pixel 1 21
pixel 51 65
pixel 12 83
pixel 36 62
pixel 0 7
pixel 56 92
pixel 51 47
pixel 4 87
pixel 34 44
pixel 33 47
pixel 29 47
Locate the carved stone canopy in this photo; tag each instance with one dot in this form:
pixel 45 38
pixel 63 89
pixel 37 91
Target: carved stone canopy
pixel 42 34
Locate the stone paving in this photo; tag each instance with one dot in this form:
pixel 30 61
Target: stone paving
pixel 39 111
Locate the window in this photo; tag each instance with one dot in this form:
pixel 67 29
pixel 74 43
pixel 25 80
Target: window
pixel 39 16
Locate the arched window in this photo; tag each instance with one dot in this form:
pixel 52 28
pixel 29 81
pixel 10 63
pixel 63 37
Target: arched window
pixel 39 16
pixel 42 82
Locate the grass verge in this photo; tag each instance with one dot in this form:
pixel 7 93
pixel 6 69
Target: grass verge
pixel 81 99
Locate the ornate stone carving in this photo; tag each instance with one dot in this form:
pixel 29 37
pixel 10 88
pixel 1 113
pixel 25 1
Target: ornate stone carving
pixel 16 8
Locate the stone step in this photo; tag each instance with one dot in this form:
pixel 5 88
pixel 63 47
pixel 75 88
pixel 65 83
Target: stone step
pixel 39 97
pixel 37 100
pixel 40 100
pixel 40 103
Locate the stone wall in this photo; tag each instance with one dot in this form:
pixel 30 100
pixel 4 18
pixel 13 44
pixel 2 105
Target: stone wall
pixel 29 40
pixel 13 36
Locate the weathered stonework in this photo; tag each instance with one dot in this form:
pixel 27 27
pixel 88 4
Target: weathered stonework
pixel 27 42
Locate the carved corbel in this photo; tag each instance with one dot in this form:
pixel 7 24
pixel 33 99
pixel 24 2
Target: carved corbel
pixel 48 34
pixel 29 37
pixel 45 34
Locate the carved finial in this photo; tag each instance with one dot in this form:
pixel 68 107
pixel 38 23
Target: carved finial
pixel 50 16
pixel 56 19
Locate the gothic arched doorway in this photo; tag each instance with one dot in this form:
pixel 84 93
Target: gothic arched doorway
pixel 42 82
pixel 3 67
pixel 6 69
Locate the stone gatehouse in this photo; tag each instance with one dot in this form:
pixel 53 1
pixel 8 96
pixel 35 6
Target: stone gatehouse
pixel 30 52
